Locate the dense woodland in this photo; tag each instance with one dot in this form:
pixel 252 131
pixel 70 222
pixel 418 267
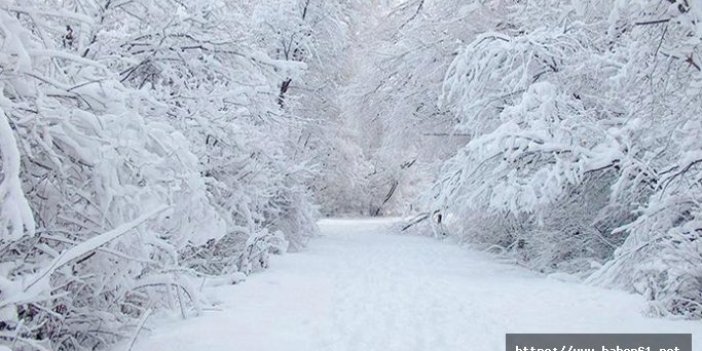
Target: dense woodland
pixel 152 148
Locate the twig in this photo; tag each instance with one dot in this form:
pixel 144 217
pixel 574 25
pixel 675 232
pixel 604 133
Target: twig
pixel 420 218
pixel 139 328
pixel 658 21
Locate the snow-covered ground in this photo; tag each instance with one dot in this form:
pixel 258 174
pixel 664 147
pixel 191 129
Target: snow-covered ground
pixel 362 288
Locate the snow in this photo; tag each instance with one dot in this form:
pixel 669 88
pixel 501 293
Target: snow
pixel 15 213
pixel 363 287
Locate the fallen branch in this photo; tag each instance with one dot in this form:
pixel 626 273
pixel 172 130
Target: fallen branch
pixel 91 245
pixel 416 220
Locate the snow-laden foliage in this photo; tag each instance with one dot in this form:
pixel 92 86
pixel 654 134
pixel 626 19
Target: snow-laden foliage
pixel 402 52
pixel 583 118
pixel 145 152
pixel 314 97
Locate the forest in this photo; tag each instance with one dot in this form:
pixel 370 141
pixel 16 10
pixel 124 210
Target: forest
pixel 152 148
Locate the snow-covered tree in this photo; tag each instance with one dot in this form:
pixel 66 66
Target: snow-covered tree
pixel 402 51
pixel 580 116
pixel 143 146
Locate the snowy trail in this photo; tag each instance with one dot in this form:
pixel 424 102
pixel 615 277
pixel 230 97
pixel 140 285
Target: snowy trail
pixel 361 288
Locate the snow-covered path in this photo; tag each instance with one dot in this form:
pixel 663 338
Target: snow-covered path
pixel 361 288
